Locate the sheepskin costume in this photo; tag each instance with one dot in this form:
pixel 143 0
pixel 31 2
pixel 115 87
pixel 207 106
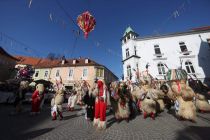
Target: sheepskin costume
pixel 123 102
pixel 20 95
pixel 89 100
pixel 171 95
pixel 120 100
pixel 177 86
pixel 56 104
pixel 160 102
pixel 185 107
pixel 167 101
pixel 37 98
pixel 201 103
pixel 114 98
pixel 123 108
pixel 137 93
pixel 24 84
pixel 148 105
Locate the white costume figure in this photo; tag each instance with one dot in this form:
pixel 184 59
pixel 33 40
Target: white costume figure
pixel 57 101
pixel 72 101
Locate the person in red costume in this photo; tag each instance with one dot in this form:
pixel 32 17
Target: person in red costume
pixel 100 106
pixel 37 98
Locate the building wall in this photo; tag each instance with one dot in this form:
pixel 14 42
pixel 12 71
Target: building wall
pixel 7 65
pixel 77 74
pixel 41 74
pixel 109 77
pixel 197 45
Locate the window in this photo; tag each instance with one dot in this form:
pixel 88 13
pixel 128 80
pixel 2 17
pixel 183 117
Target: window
pixel 135 51
pixel 71 72
pixel 183 47
pixel 57 73
pixel 127 53
pixel 124 40
pixel 208 41
pixel 85 72
pixel 128 37
pixel 46 74
pixel 161 69
pixel 99 72
pixel 157 49
pixel 129 71
pixel 36 73
pixel 189 67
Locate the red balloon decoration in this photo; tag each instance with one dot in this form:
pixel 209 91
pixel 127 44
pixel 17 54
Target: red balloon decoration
pixel 86 22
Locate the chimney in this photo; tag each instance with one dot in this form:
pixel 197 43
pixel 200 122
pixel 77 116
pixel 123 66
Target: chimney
pixel 63 60
pixel 86 61
pixel 74 61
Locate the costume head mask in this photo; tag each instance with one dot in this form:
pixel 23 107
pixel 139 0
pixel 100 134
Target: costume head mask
pixel 40 88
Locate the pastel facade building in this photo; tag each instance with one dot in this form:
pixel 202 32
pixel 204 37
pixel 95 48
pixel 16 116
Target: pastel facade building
pixel 72 70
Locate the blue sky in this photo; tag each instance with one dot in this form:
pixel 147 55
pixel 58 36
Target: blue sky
pixel 32 26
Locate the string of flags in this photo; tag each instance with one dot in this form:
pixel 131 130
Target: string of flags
pixel 76 32
pixel 174 15
pixel 9 43
pixel 30 2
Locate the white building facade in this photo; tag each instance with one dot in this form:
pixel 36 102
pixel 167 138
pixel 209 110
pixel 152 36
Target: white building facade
pixel 189 50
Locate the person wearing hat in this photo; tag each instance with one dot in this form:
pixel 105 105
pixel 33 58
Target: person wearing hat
pixel 37 98
pixel 100 106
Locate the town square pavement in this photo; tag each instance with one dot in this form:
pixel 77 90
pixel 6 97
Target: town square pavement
pixel 74 127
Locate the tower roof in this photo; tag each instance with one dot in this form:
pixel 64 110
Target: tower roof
pixel 128 29
pixel 127 32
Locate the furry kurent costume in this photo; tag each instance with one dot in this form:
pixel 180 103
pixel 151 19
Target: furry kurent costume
pixel 123 102
pixel 201 103
pixel 89 100
pixel 114 86
pixel 160 100
pixel 37 98
pixel 148 105
pixel 57 101
pixel 182 94
pixel 148 96
pixel 185 108
pixel 20 95
pixel 167 101
pixel 120 100
pixel 100 106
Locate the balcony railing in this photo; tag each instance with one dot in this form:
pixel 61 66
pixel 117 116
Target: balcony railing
pixel 158 55
pixel 186 52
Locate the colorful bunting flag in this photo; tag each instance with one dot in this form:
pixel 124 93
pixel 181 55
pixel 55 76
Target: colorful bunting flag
pixel 30 2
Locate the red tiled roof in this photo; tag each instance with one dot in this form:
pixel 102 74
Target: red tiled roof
pixel 201 28
pixel 47 63
pixel 26 60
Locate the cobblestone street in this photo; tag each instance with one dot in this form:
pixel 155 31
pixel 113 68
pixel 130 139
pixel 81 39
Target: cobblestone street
pixel 75 127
